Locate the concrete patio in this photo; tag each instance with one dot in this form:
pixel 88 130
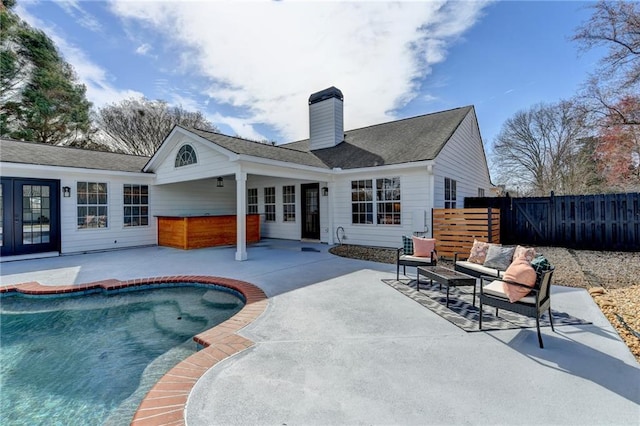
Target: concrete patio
pixel 338 346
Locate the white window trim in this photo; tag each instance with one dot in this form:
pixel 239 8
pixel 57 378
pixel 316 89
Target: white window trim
pixel 375 202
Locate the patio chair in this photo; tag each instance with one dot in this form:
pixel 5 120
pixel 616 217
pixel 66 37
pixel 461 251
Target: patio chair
pixel 533 305
pixel 404 259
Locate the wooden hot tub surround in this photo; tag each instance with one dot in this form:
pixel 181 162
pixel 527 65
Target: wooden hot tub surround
pixel 190 232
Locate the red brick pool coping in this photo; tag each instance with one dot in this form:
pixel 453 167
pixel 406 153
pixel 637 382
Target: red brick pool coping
pixel 165 403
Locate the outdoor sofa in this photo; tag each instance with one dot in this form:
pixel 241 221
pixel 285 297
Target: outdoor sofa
pixel 489 259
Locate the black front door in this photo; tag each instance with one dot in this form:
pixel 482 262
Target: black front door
pixel 311 211
pixel 29 216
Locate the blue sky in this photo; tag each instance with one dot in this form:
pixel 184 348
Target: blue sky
pixel 250 66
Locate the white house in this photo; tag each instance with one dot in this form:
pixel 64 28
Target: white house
pixel 373 184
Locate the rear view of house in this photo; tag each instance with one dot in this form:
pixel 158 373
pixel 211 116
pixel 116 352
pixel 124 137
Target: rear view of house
pixel 374 183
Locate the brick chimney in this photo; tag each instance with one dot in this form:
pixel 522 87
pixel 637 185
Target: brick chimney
pixel 326 119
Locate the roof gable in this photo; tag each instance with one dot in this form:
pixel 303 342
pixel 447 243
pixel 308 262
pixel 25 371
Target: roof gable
pixel 397 142
pixel 256 149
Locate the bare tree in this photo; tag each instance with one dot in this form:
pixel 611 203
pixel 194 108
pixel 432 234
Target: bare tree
pixel 138 126
pixel 538 150
pixel 615 25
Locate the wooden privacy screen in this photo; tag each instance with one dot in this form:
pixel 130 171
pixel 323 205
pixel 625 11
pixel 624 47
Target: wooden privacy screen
pixel 455 229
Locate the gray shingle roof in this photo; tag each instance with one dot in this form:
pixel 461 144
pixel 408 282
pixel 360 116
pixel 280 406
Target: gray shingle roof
pixel 257 149
pixel 412 139
pixel 50 155
pixel 409 140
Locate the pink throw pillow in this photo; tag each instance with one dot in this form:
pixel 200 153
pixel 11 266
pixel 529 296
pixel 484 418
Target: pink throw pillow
pixel 529 253
pixel 422 247
pixel 478 252
pixel 521 272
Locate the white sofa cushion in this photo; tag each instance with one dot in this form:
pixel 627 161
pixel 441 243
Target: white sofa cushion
pixel 483 270
pixel 415 258
pixel 495 288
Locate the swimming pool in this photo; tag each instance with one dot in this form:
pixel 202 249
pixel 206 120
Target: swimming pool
pixel 90 359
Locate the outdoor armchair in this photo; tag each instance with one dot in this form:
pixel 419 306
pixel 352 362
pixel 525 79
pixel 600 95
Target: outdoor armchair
pixel 405 260
pixel 533 305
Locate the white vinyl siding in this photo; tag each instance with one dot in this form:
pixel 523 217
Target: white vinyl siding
pixel 462 159
pixel 416 199
pixel 326 126
pixel 198 197
pixel 116 235
pixel 211 164
pixel 279 228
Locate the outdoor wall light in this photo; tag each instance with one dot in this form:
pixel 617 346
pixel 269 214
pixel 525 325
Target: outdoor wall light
pixel 325 191
pixel 220 183
pixel 66 191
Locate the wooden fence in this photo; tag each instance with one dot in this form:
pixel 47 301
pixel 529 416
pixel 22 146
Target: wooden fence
pixel 455 229
pixel 592 222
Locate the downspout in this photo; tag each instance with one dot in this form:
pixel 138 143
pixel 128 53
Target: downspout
pixel 431 185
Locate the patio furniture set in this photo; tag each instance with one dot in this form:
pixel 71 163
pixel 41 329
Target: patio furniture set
pixel 511 278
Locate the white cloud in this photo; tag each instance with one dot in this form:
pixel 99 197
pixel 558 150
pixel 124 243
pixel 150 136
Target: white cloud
pixel 240 126
pixel 268 57
pixel 99 90
pixel 72 8
pixel 143 49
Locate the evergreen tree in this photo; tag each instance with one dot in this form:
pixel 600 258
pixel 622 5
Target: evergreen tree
pixel 40 98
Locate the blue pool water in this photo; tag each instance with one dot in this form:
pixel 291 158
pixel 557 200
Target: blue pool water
pixel 89 360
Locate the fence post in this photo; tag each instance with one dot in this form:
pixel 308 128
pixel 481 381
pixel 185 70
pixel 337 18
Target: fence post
pixel 552 217
pixel 490 225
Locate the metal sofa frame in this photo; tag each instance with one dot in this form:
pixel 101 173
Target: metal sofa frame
pixel 540 291
pixel 412 262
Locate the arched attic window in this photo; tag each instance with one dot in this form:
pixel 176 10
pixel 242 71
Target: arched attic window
pixel 186 155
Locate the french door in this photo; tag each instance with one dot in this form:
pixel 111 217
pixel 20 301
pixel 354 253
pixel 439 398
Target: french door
pixel 311 211
pixel 29 216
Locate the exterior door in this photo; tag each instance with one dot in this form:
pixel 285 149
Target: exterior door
pixel 29 216
pixel 311 211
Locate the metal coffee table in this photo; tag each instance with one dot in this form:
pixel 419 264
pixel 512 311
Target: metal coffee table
pixel 447 277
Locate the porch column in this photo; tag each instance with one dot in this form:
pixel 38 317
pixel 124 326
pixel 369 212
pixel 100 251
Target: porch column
pixel 241 215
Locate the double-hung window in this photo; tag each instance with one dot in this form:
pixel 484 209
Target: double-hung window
pixel 92 205
pixel 136 205
pixel 388 201
pixel 362 201
pixel 289 203
pixel 252 201
pixel 449 193
pixel 270 204
pixel 385 209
